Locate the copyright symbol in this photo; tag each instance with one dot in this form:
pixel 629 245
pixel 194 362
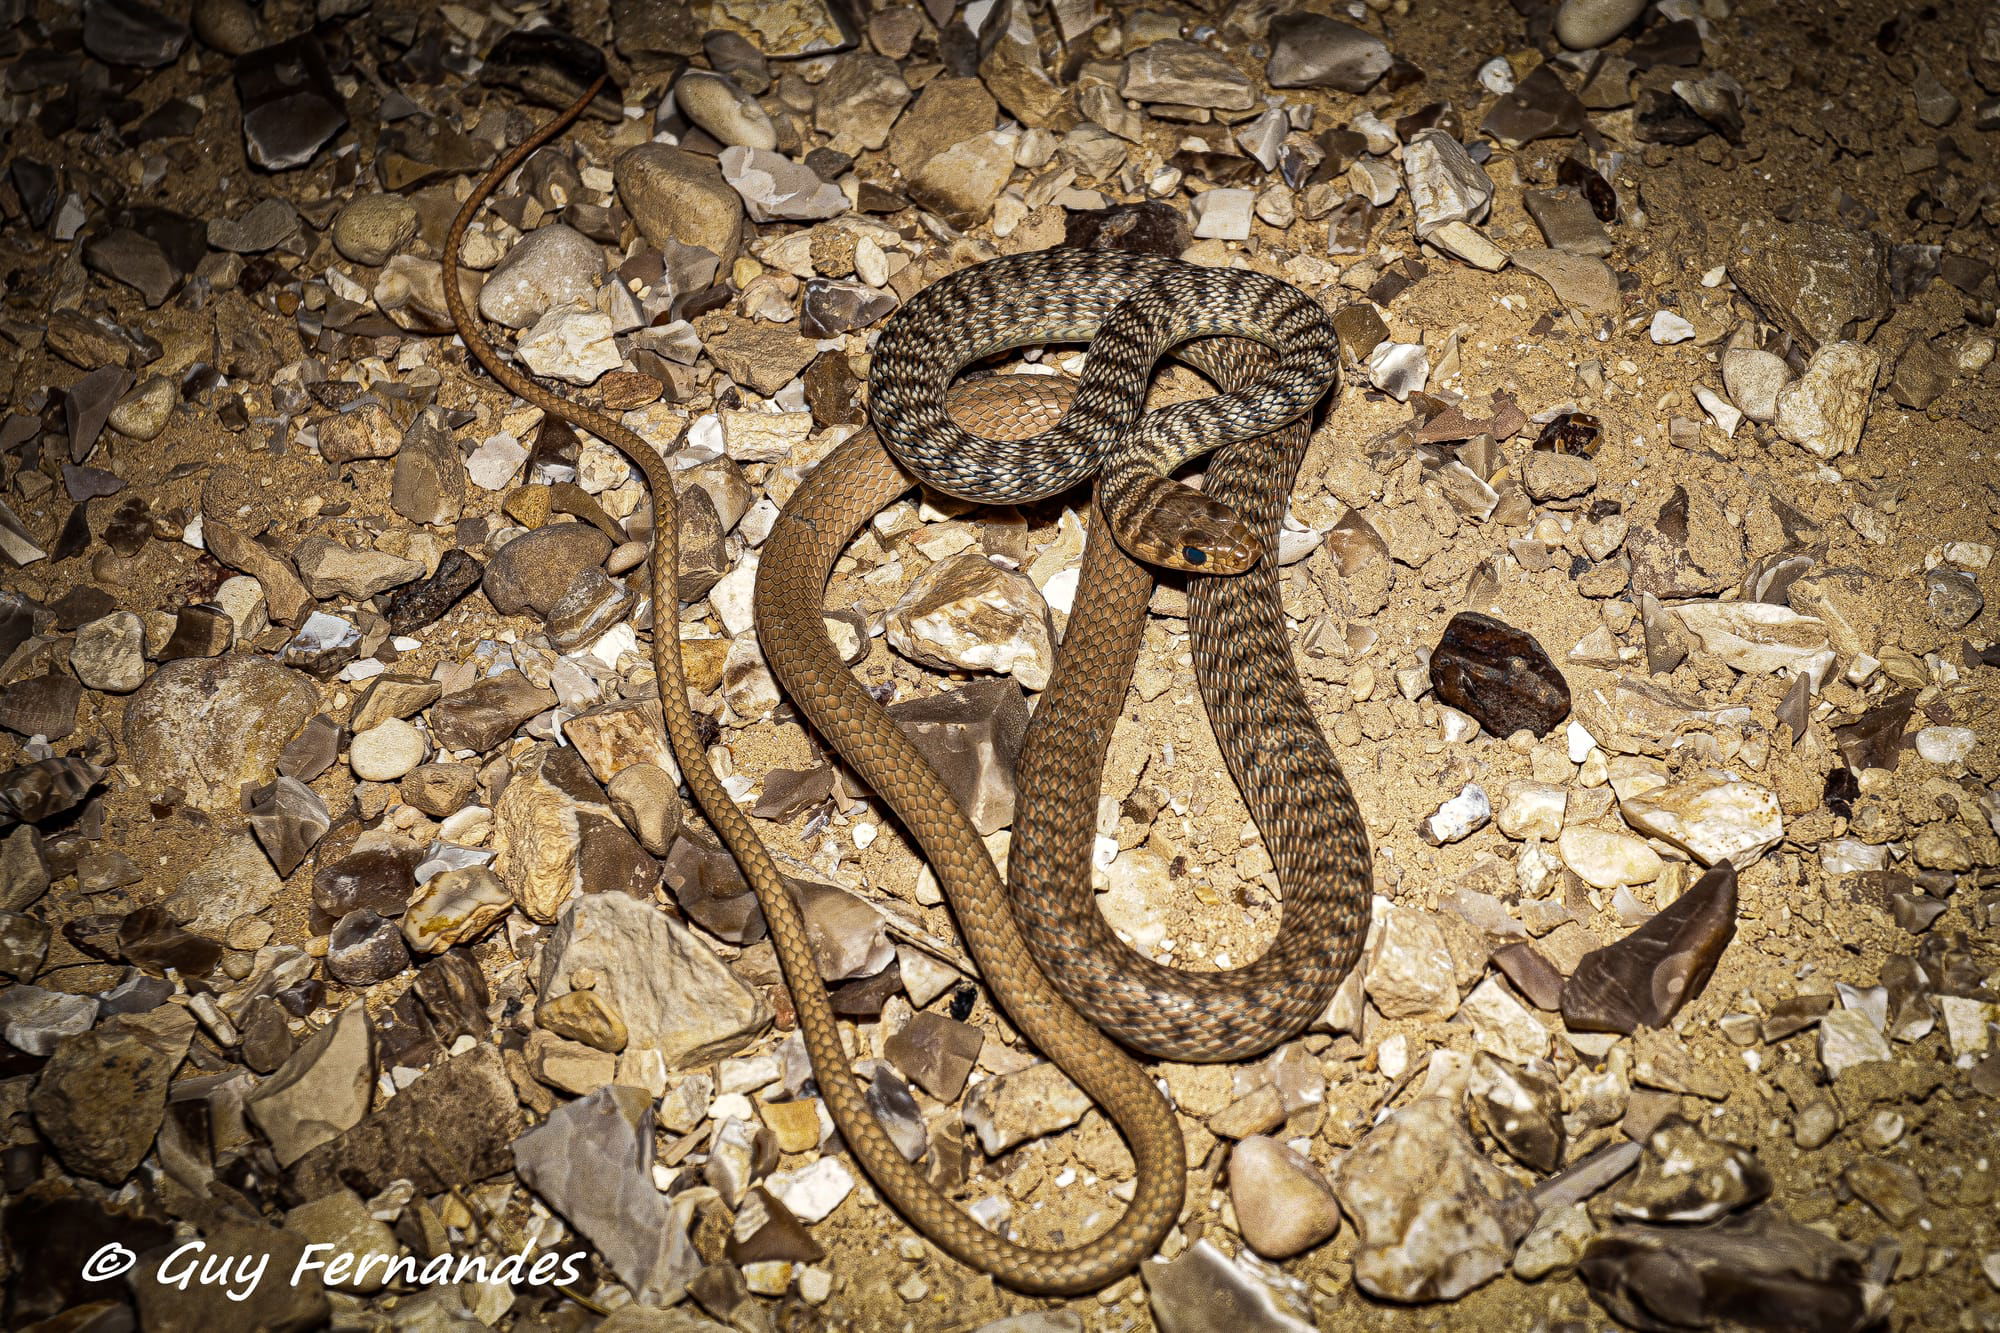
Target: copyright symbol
pixel 109 1262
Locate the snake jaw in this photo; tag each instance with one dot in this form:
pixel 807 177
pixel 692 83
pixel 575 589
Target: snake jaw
pixel 1177 527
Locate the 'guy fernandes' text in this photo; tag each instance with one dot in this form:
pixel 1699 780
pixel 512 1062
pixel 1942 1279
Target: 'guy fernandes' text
pixel 241 1274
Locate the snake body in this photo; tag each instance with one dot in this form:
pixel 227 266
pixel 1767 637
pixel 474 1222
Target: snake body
pixel 833 502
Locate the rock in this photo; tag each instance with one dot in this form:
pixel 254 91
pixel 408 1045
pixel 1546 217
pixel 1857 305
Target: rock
pixel 42 706
pixel 1540 106
pixel 1204 1290
pixel 24 944
pixel 856 104
pixel 1606 858
pixel 419 604
pixel 1953 597
pixel 233 880
pixel 1521 1107
pixel 36 1020
pixel 1311 51
pixel 592 1161
pixel 812 1192
pixel 949 111
pixel 1702 1276
pixel 211 725
pixel 455 907
pixel 1283 1205
pixel 131 32
pixel 1440 1242
pixel 343 1224
pixel 1584 24
pixel 1445 184
pixel 848 936
pixel 1754 379
pixel 144 412
pixel 1459 818
pixel 936 1052
pixel 103 1093
pixel 1555 1244
pixel 648 800
pixel 370 228
pixel 1186 74
pixel 288 819
pixel 469 1092
pixel 1687 1175
pixel 1013 1108
pixel 1585 285
pixel 831 308
pixel 365 947
pixel 1713 816
pixel 269 224
pixel 574 343
pixel 1848 1037
pixel 679 197
pixel 322 1090
pixel 378 874
pixel 290 104
pixel 672 992
pixel 776 189
pixel 727 112
pixel 972 736
pixel 1409 966
pixel 967 613
pixel 1644 979
pixel 1567 222
pixel 1893 1190
pixel 110 653
pixel 1826 408
pixel 481 716
pixel 1761 638
pixel 764 357
pixel 1499 675
pixel 550 267
pixel 1818 281
pixel 583 1016
pixel 386 751
pixel 1223 215
pixel 962 181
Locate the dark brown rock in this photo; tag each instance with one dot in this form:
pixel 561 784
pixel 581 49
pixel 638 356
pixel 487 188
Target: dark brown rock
pixel 1499 675
pixel 1645 978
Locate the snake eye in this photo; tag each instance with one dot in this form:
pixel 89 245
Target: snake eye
pixel 1194 555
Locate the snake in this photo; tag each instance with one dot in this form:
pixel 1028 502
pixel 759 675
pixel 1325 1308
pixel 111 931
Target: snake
pixel 797 560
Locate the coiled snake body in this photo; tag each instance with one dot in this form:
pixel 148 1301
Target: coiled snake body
pixel 853 483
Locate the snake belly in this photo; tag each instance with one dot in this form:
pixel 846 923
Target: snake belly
pixel 1282 765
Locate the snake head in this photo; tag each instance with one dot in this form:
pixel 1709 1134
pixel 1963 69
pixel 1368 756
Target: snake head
pixel 1177 527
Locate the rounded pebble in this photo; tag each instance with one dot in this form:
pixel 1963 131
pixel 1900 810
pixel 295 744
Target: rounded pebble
pixel 386 751
pixel 374 227
pixel 1582 24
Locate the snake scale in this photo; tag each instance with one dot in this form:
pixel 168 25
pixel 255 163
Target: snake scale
pixel 1225 528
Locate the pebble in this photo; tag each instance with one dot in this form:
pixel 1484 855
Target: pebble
pixel 1223 215
pixel 678 197
pixel 1712 816
pixel 726 111
pixel 1584 24
pixel 209 726
pixel 968 613
pixel 1186 74
pixel 1202 1290
pixel 370 228
pixel 774 188
pixel 1499 675
pixel 109 654
pixel 1012 1108
pixel 1410 972
pixel 1439 1242
pixel 323 1089
pixel 1283 1205
pixel 812 1192
pixel 549 267
pixel 1826 409
pixel 1312 51
pixel 1848 1038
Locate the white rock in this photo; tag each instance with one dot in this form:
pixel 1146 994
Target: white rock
pixel 1850 856
pixel 1726 415
pixel 1399 369
pixel 1669 328
pixel 1460 817
pixel 1445 184
pixel 1503 1025
pixel 1584 24
pixel 1410 970
pixel 1946 745
pixel 386 751
pixel 493 464
pixel 573 343
pixel 1607 859
pixel 1825 409
pixel 1761 638
pixel 1531 810
pixel 812 1192
pixel 1712 816
pixel 1967 1024
pixel 1848 1038
pixel 1496 76
pixel 1753 379
pixel 1223 215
